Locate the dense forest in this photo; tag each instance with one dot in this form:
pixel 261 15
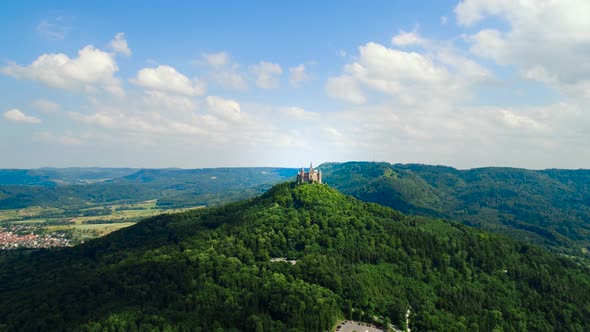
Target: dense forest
pixel 546 207
pixel 213 270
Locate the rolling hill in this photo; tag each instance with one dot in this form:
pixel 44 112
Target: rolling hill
pixel 224 268
pixel 73 188
pixel 547 207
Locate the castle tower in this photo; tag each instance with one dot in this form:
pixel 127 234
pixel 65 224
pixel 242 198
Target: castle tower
pixel 311 176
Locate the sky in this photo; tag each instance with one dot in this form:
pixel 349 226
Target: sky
pixel 193 84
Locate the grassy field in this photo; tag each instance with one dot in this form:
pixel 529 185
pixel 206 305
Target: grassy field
pixel 108 218
pixel 82 231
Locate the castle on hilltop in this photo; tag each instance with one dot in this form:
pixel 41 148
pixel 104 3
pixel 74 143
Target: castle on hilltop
pixel 313 175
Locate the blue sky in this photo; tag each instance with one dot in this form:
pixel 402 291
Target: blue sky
pixel 230 83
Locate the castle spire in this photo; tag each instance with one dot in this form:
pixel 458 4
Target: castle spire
pixel 310 176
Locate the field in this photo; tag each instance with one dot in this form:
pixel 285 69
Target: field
pixel 91 222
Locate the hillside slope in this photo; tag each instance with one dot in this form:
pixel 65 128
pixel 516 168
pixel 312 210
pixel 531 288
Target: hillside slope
pixel 548 207
pixel 212 269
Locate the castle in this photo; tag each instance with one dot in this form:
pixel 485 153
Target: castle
pixel 313 175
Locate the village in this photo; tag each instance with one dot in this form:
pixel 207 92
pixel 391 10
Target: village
pixel 23 236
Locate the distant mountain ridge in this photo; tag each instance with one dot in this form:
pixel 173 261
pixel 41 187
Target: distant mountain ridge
pixel 171 187
pixel 49 176
pixel 549 207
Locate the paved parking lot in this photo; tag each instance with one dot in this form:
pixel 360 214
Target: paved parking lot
pixel 350 326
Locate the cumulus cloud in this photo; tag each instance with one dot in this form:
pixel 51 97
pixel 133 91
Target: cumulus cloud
pixel 386 70
pixel 16 115
pixel 145 123
pixel 547 40
pixel 267 74
pixel 462 136
pixel 221 122
pixel 90 69
pixel 439 72
pixel 46 105
pixel 298 75
pixel 404 38
pixel 119 44
pixel 157 100
pixel 511 119
pixel 216 60
pixel 231 78
pixel 226 109
pixel 301 114
pixel 419 115
pixel 167 79
pixel 225 72
pixel 345 88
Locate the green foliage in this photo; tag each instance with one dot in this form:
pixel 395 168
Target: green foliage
pixel 548 207
pixel 211 269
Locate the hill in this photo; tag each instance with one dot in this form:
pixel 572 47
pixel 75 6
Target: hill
pixel 81 203
pixel 213 270
pixel 60 176
pixel 547 207
pixel 73 188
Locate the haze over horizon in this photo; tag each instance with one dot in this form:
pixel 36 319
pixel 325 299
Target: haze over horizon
pixel 469 83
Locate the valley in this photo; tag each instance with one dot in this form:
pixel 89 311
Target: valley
pixel 64 207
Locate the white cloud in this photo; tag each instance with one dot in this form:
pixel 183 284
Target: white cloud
pixel 301 114
pixel 225 109
pixel 157 100
pixel 92 68
pixel 438 72
pixel 511 119
pixel 230 78
pixel 267 74
pixel 167 79
pixel 46 105
pixel 443 20
pixel 216 60
pixel 489 43
pixel 16 115
pixel 333 132
pixel 548 41
pixel 54 28
pixel 119 44
pixel 389 71
pixel 345 88
pixel 221 124
pixel 225 72
pixel 298 75
pixel 385 63
pixel 404 38
pixel 145 123
pixel 461 136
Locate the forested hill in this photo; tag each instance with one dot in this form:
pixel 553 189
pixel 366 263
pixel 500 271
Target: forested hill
pixel 213 269
pixel 548 207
